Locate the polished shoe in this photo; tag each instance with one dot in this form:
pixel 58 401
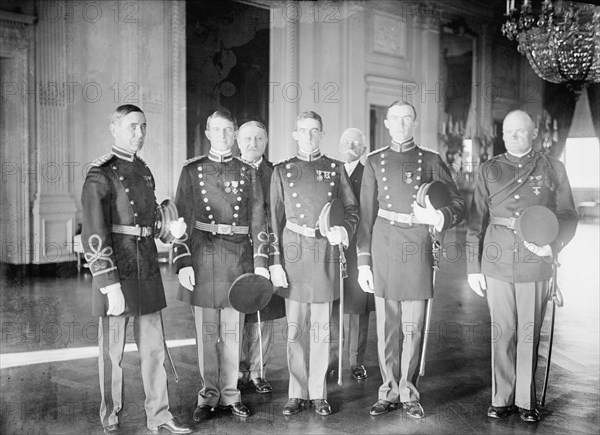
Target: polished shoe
pixel 359 372
pixel 414 409
pixel 172 427
pixel 293 406
pixel 382 407
pixel 242 384
pixel 112 428
pixel 261 385
pixel 322 407
pixel 499 411
pixel 529 415
pixel 239 409
pixel 202 412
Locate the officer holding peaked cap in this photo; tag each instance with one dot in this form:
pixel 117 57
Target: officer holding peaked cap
pixel 521 216
pixel 305 264
pixel 393 239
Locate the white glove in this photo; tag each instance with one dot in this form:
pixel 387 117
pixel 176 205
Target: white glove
pixel 428 214
pixel 278 277
pixel 116 300
pixel 541 251
pixel 186 277
pixel 262 271
pixel 337 236
pixel 177 228
pixel 477 283
pixel 365 279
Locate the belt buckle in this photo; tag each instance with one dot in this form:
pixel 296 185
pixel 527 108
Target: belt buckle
pixel 511 223
pixel 146 231
pixel 411 216
pixel 225 229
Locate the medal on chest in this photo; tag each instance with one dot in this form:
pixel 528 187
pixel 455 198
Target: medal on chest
pixel 323 175
pixel 408 177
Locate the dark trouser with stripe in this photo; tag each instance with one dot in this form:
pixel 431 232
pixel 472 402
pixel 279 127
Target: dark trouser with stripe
pixel 148 335
pixel 399 339
pixel 358 330
pixel 517 312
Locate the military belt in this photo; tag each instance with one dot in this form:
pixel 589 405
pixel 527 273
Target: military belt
pixel 505 222
pixel 223 229
pixel 403 218
pixel 300 229
pixel 131 230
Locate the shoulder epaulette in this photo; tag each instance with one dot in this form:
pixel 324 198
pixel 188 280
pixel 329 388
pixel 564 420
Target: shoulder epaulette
pixel 192 160
pixel 427 149
pixel 102 160
pixel 142 160
pixel 378 150
pixel 335 159
pixel 283 161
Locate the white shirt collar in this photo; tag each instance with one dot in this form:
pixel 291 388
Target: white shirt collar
pixel 350 167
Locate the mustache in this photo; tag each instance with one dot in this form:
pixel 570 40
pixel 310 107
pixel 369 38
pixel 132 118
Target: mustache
pixel 351 152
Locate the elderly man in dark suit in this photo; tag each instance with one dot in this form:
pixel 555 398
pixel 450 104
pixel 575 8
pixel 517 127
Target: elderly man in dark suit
pixel 393 237
pixel 221 200
pixel 118 207
pixel 357 303
pixel 514 271
pixel 252 140
pixel 300 187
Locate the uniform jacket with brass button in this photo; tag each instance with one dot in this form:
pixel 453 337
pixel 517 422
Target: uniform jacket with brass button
pixel 275 309
pixel 121 192
pixel 401 254
pixel 506 185
pixel 299 190
pixel 221 190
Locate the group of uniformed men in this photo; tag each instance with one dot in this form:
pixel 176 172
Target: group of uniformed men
pixel 242 215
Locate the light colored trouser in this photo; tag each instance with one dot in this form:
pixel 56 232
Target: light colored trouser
pixel 218 344
pixel 517 312
pixel 308 332
pixel 148 335
pixel 399 337
pixel 358 330
pixel 250 356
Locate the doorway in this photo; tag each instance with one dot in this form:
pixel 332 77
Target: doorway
pixel 227 65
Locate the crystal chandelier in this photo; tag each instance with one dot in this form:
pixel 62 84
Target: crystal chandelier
pixel 562 44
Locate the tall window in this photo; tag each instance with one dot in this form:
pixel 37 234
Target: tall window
pixel 581 157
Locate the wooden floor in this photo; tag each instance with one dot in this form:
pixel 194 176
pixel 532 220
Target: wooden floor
pixel 49 377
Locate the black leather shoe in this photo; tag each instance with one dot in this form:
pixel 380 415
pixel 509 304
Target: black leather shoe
pixel 262 386
pixel 239 409
pixel 293 406
pixel 172 427
pixel 322 407
pixel 241 384
pixel 414 409
pixel 112 428
pixel 202 412
pixel 499 411
pixel 382 407
pixel 529 415
pixel 359 372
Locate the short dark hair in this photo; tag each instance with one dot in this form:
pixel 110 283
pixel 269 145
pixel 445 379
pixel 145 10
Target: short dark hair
pixel 310 115
pixel 224 114
pixel 122 111
pixel 402 103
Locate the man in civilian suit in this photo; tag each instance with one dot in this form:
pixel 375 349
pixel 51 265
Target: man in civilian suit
pixel 357 303
pixel 252 140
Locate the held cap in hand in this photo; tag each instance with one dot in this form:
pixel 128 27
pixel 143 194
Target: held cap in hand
pixel 250 293
pixel 537 224
pixel 166 213
pixel 331 215
pixel 439 194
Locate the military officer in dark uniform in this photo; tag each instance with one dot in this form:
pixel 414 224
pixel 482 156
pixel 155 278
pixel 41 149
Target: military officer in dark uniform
pixel 513 271
pixel 357 303
pixel 393 237
pixel 252 140
pixel 220 198
pixel 118 206
pixel 300 187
